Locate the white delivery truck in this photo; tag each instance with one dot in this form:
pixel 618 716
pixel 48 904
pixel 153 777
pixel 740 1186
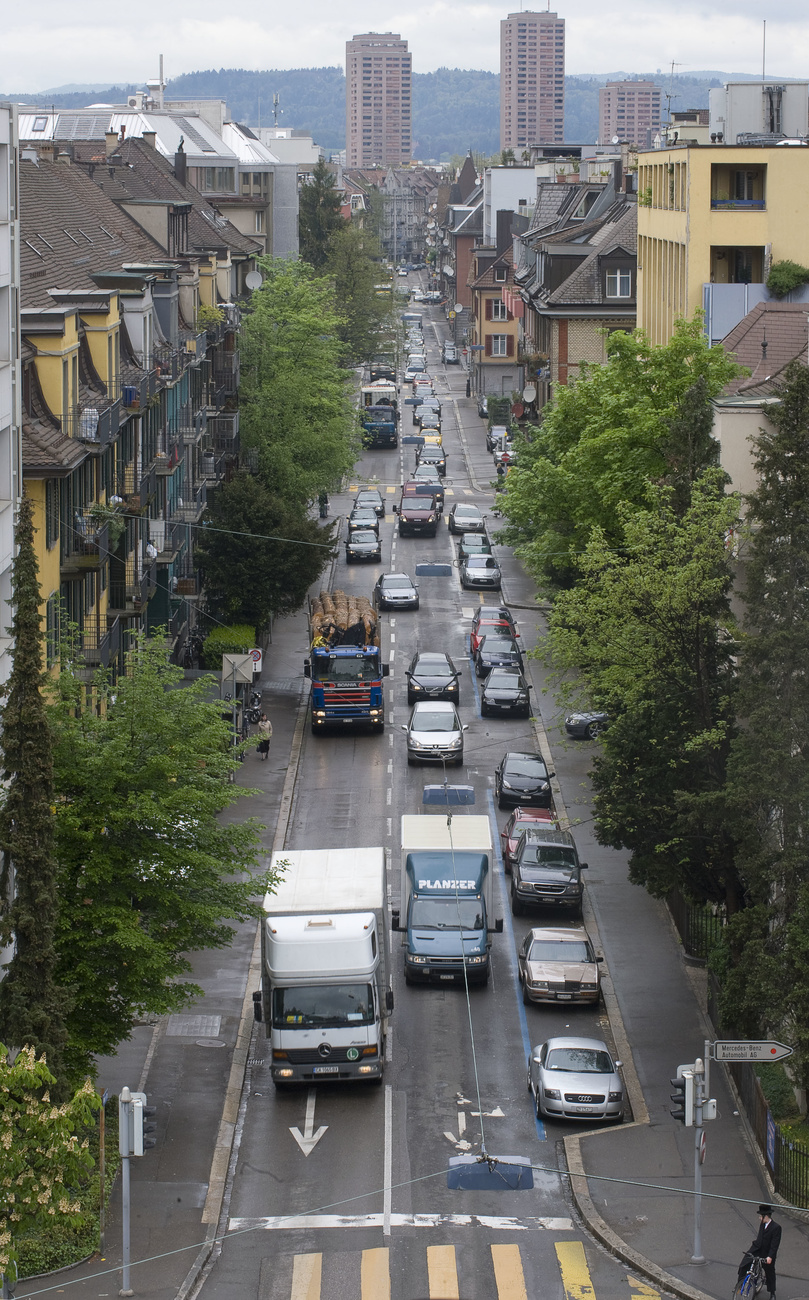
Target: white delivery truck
pixel 325 996
pixel 446 900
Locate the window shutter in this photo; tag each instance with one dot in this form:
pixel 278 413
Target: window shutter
pixel 488 345
pixel 509 345
pixel 489 302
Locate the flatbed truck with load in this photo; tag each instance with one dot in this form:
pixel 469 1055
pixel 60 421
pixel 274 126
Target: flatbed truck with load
pixel 325 997
pixel 445 913
pixel 344 663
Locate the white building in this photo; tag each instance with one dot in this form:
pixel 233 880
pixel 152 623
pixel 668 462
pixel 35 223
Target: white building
pixel 759 108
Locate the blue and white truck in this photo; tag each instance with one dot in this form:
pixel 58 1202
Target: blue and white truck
pixel 445 914
pixel 325 997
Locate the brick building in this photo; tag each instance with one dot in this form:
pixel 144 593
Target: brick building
pixel 630 110
pixel 379 80
pixel 532 80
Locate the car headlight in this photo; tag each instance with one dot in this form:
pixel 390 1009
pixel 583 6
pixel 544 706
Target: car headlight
pixel 615 1096
pixel 416 960
pixel 455 744
pixel 553 1093
pixel 589 987
pixel 507 785
pixel 475 961
pixel 414 686
pixel 538 984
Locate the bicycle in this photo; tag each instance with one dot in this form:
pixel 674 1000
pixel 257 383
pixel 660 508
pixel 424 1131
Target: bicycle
pixel 752 1280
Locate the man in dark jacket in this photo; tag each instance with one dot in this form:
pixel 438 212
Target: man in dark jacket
pixel 765 1247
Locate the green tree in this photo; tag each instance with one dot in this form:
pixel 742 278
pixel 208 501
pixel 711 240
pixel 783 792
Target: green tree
pixel 769 766
pixel 354 264
pixel 32 1005
pixel 297 416
pixel 260 554
pixel 148 870
pixel 605 441
pixel 43 1153
pixel 319 216
pixel 646 630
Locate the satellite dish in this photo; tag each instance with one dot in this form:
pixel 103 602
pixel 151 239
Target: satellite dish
pixel 459 306
pixel 616 139
pixel 529 394
pixel 518 409
pixel 254 280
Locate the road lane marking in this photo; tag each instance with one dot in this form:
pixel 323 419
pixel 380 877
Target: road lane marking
pixel 442 1273
pixel 639 1289
pixel 508 1273
pixel 389 796
pixel 306 1273
pixel 576 1278
pixel 499 1223
pixel 375 1274
pixel 387 1163
pixel 308 1140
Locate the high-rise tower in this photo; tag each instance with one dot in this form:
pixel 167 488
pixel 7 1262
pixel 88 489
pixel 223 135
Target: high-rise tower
pixel 378 100
pixel 532 80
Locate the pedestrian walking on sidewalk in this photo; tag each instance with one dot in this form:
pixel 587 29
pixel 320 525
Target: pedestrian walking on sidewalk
pixel 264 732
pixel 765 1247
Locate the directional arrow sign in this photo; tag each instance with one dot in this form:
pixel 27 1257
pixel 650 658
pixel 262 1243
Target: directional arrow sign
pixel 308 1140
pixel 744 1049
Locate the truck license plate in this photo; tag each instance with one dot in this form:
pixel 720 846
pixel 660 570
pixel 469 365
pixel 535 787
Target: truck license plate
pixel 326 1069
pixel 446 977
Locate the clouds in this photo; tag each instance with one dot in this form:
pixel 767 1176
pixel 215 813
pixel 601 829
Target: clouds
pixel 104 43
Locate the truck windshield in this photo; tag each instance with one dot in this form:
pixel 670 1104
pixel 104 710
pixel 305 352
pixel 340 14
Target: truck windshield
pixel 446 913
pixel 334 1005
pixel 345 668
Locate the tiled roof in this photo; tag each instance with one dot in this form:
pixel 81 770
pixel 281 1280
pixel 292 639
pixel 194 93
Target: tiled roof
pixel 782 327
pixel 583 286
pixel 69 230
pixel 486 279
pixel 46 450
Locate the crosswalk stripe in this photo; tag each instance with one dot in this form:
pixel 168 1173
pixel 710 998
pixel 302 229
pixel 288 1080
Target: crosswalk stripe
pixel 508 1273
pixel 306 1273
pixel 575 1273
pixel 640 1289
pixel 442 1273
pixel 375 1274
pixel 499 1222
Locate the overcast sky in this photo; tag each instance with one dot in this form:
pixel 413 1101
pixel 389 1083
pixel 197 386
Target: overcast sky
pixel 57 43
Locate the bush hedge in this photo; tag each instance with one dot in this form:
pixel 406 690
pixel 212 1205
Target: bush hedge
pixel 785 276
pixel 238 639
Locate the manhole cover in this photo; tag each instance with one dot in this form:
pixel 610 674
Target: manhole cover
pixel 210 1042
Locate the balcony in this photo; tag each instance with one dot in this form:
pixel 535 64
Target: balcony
pixel 212 466
pixel 223 430
pixel 192 424
pixel 99 647
pixel 226 372
pixel 86 545
pixel 131 584
pixel 190 510
pixel 97 425
pixel 727 205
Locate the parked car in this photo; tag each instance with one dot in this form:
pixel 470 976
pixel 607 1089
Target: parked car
pixel 363 544
pixel 497 652
pixel 363 517
pixel 465 519
pixel 559 965
pixel 586 725
pixel 576 1078
pixel 432 676
pixel 370 499
pixel 546 871
pixel 482 572
pixel 396 591
pixel 483 406
pixel 449 353
pixel 473 544
pixel 520 820
pixel 521 779
pixel 434 733
pixel 505 691
pixel 432 456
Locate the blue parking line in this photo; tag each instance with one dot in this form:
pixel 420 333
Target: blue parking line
pixel 474 677
pixel 508 929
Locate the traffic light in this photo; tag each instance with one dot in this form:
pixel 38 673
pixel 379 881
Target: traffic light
pixel 134 1123
pixel 683 1095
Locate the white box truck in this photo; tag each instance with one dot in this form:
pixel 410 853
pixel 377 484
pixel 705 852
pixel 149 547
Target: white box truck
pixel 446 900
pixel 325 996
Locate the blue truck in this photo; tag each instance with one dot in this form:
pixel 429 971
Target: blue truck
pixel 379 414
pixel 445 914
pixel 345 663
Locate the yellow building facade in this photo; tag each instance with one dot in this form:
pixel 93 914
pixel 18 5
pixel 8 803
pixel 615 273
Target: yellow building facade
pixel 720 214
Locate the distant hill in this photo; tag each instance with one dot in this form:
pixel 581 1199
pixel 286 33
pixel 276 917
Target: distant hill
pixel 453 109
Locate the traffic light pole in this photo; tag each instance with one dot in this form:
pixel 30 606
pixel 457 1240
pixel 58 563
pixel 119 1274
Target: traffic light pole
pixel 699 1078
pixel 125 1109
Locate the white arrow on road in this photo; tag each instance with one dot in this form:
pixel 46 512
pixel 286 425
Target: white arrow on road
pixel 308 1140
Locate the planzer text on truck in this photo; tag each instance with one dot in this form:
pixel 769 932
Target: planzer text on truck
pixel 446 898
pixel 345 663
pixel 325 996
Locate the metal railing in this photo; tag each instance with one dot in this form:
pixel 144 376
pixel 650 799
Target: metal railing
pixel 86 543
pixel 699 925
pixel 786 1159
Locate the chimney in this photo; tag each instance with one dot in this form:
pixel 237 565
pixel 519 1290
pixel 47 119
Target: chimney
pixel 180 163
pixel 150 138
pixel 111 138
pixel 503 228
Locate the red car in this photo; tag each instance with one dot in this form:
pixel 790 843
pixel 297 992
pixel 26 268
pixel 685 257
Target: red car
pixel 520 820
pixel 490 624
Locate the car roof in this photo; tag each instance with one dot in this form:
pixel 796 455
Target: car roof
pixel 546 835
pixel 563 1041
pixel 520 754
pixel 442 706
pixel 461 507
pixel 396 575
pixel 568 935
pixel 493 639
pixel 431 654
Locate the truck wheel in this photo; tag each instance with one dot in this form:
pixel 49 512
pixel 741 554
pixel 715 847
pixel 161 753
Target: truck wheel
pixel 516 905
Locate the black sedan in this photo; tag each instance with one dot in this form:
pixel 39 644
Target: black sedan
pixel 480 571
pixel 497 652
pixel 363 544
pixel 431 455
pixel 432 676
pixel 396 591
pixel 505 691
pixel 521 780
pixel 370 499
pixel 586 726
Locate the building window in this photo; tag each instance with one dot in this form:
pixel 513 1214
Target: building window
pixel 500 344
pixel 619 284
pixel 499 310
pixel 51 512
pixel 52 628
pixel 500 273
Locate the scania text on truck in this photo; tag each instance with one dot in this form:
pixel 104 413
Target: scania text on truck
pixel 445 913
pixel 325 997
pixel 344 663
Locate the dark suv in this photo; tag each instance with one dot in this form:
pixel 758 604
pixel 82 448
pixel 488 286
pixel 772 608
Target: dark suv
pixel 546 871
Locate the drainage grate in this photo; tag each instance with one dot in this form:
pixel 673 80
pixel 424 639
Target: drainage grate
pixel 193 1026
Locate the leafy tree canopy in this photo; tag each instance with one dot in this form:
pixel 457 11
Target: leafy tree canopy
pixel 353 262
pixel 319 217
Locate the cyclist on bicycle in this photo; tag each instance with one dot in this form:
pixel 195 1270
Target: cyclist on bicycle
pixel 765 1248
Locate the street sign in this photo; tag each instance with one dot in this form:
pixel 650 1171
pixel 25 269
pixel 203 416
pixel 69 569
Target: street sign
pixel 258 659
pixel 743 1049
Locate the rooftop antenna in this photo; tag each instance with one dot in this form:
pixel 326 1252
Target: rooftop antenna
pixel 275 102
pixel 670 92
pixel 764 51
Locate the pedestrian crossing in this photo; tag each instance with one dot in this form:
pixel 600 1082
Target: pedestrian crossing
pixel 501 1271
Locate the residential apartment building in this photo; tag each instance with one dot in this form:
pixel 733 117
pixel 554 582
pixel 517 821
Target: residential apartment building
pixel 495 319
pixel 379 82
pixel 10 391
pixel 711 222
pixel 407 194
pixel 532 80
pixel 629 111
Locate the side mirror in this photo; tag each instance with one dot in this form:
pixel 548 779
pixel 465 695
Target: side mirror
pixel 404 728
pixel 498 925
pixel 386 670
pixel 465 726
pixel 395 509
pixel 584 866
pixel 388 1000
pixel 257 1012
pixel 599 958
pixel 307 668
pixel 394 919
